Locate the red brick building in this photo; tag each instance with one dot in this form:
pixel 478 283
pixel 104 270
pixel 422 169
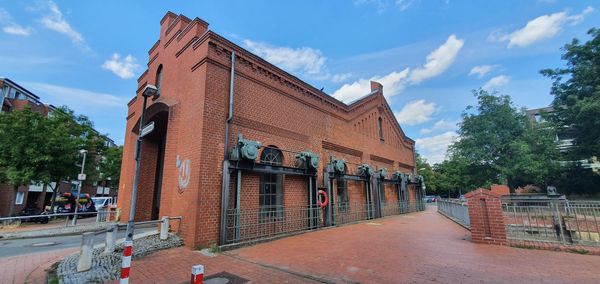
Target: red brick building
pixel 270 189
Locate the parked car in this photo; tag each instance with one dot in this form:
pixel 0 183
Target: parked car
pixel 102 202
pixel 33 211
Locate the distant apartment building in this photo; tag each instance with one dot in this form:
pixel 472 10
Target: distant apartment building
pixel 564 138
pixel 15 97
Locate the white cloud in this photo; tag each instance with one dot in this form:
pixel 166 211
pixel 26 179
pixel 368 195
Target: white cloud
pixel 53 20
pixel 11 27
pixel 305 59
pixel 404 4
pixel 438 61
pixel 441 125
pixel 80 100
pixel 125 68
pixel 434 148
pixel 338 78
pixel 495 82
pixel 380 5
pixel 540 28
pixel 416 112
pixel 393 83
pixel 482 70
pixel 15 29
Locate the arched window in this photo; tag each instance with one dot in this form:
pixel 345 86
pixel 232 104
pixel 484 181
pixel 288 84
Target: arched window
pixel 380 127
pixel 271 193
pixel 342 194
pixel 159 77
pixel 272 156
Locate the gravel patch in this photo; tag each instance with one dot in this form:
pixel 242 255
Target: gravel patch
pixel 107 266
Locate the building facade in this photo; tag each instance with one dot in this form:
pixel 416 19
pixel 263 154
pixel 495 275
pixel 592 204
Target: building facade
pixel 243 150
pixel 564 139
pixel 14 97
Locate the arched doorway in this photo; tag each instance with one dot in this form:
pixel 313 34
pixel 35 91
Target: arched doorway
pixel 152 163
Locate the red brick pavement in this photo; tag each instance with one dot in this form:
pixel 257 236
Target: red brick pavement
pixel 415 248
pixel 19 269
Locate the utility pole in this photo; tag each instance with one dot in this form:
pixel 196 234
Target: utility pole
pixel 81 178
pixel 149 91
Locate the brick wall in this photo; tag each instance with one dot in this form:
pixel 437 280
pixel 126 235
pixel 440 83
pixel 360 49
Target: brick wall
pixel 270 106
pixel 485 214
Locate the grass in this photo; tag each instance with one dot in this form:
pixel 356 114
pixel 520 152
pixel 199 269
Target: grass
pixel 579 251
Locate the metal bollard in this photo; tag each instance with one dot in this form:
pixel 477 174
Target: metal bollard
pixel 85 254
pixel 126 262
pixel 197 274
pixel 111 238
pixel 164 228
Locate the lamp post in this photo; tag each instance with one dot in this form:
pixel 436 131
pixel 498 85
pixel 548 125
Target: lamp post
pixel 80 178
pixel 149 91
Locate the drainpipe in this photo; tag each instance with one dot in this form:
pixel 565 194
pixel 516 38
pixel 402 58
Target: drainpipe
pixel 225 183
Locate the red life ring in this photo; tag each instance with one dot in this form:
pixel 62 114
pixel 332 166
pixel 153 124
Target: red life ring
pixel 325 199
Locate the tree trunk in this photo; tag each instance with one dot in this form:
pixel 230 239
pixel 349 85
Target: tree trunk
pixel 54 193
pixel 11 210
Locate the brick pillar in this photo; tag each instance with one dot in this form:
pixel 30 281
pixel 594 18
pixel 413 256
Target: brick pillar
pixel 485 214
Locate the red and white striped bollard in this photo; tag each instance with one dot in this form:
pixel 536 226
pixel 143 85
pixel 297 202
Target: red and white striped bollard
pixel 126 262
pixel 197 274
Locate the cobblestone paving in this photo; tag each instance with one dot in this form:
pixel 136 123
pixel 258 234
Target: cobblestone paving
pixel 16 269
pixel 106 267
pixel 423 247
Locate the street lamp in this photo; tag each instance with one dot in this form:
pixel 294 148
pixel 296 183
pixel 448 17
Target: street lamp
pixel 149 91
pixel 80 178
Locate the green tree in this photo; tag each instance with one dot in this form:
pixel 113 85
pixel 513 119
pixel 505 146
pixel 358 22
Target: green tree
pixel 111 165
pixel 68 133
pixel 425 170
pixel 576 90
pixel 21 149
pixel 497 144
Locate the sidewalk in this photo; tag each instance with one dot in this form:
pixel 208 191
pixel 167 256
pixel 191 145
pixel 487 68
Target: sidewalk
pixel 17 269
pixel 423 247
pixel 175 266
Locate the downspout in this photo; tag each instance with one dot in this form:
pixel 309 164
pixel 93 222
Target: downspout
pixel 225 183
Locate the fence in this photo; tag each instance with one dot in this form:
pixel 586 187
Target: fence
pixel 456 210
pixel 261 223
pixel 102 216
pixel 267 222
pixel 402 207
pixel 553 221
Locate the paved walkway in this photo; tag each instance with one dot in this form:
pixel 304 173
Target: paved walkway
pixel 421 247
pixel 29 268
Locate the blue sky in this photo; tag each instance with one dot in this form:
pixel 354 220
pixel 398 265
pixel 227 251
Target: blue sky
pixel 429 55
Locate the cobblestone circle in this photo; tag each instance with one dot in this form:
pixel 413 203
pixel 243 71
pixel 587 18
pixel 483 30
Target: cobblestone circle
pixel 107 266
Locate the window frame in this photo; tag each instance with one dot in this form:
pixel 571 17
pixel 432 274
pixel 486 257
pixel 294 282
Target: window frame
pixel 19 198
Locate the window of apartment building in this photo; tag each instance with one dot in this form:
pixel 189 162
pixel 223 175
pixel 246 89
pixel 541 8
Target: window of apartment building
pixel 342 194
pixel 380 127
pixel 271 195
pixel 19 198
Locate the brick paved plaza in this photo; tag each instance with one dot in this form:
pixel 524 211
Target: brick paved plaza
pixel 421 247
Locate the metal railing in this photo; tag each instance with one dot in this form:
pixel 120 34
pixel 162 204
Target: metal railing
pixel 554 221
pixel 266 222
pixel 101 216
pixel 456 210
pixel 402 207
pixel 352 212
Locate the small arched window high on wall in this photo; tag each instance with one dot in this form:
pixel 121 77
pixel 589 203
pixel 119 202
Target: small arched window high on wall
pixel 159 77
pixel 380 127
